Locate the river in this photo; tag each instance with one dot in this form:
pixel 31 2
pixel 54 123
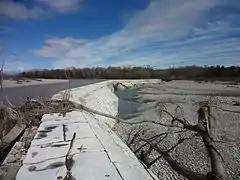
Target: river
pixel 16 94
pixel 126 106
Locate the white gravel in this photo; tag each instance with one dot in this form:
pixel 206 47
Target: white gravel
pixel 187 94
pixel 30 82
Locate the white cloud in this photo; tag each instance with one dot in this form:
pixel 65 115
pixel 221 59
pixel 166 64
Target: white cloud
pixel 42 8
pixel 62 5
pixel 151 59
pixel 56 47
pixel 14 10
pixel 16 66
pixel 167 19
pixel 155 29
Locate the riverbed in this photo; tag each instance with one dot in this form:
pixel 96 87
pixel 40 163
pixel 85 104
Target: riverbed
pixel 188 94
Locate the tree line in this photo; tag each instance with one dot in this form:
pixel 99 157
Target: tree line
pixel 188 72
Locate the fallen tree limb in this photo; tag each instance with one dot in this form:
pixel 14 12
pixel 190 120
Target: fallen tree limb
pixel 13 161
pixel 217 169
pixel 12 135
pixel 81 107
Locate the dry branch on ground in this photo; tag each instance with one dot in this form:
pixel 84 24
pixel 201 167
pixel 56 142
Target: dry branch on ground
pixel 153 147
pixel 14 119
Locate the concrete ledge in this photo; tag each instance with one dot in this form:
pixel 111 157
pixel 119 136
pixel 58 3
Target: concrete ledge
pixel 98 153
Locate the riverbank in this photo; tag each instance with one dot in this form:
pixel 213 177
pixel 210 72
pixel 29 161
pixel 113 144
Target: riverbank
pixel 187 94
pixel 98 153
pixel 30 82
pixel 45 88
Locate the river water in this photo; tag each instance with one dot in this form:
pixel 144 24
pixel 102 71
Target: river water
pixel 16 94
pixel 126 105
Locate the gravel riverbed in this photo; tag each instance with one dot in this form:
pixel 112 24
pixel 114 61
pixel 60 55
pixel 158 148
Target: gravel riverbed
pixel 225 98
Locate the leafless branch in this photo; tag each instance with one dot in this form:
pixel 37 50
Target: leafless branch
pixel 132 138
pixel 9 103
pixel 64 132
pixel 153 138
pixel 1 74
pixel 201 129
pixel 217 169
pixel 69 160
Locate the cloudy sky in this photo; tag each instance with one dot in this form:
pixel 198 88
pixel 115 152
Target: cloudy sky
pixel 88 33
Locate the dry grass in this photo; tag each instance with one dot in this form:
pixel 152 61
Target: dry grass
pixel 30 113
pixel 8 118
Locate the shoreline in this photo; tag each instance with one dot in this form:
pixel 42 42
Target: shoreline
pixel 170 93
pixel 31 82
pixel 41 89
pixel 115 155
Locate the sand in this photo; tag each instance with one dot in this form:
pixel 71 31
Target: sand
pixel 30 82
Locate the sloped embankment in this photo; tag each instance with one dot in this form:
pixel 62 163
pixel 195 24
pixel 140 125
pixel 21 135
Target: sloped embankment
pixel 94 150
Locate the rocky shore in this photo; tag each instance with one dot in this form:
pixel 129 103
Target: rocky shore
pixel 225 98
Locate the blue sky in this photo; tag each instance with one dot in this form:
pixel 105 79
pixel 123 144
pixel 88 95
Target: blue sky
pixel 36 34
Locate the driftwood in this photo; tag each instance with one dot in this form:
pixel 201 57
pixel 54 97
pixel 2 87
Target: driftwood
pixel 216 160
pixel 12 135
pixel 13 161
pixel 144 146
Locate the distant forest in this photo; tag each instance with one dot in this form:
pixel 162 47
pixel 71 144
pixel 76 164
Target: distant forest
pixel 188 72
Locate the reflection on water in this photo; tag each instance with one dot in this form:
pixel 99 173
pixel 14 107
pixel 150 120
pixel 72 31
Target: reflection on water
pixel 126 106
